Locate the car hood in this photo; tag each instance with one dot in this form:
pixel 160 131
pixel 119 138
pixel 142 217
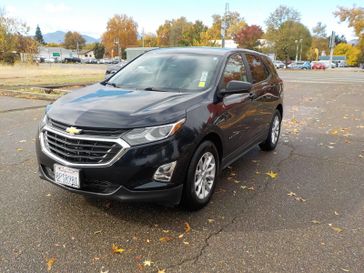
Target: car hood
pixel 108 107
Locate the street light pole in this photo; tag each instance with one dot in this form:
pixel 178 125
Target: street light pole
pixel 301 40
pixel 296 42
pixel 224 25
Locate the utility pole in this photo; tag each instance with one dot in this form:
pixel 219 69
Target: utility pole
pixel 77 49
pixel 301 40
pixel 224 25
pixel 331 46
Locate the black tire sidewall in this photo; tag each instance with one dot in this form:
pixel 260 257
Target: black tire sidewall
pixel 271 144
pixel 190 198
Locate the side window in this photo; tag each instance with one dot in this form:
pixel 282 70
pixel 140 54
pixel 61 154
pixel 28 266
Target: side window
pixel 234 70
pixel 258 69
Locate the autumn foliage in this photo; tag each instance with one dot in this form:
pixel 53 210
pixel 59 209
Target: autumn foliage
pixel 248 37
pixel 121 32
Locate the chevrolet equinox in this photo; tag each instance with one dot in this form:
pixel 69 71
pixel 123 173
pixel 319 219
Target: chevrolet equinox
pixel 163 127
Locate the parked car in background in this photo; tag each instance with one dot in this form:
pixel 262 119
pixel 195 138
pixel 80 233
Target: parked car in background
pixel 89 61
pixel 112 69
pixel 317 65
pixel 105 61
pixel 327 64
pixel 300 65
pixel 72 60
pixel 163 127
pixel 279 64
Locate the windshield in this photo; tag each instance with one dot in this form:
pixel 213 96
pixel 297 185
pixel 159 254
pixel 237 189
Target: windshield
pixel 168 72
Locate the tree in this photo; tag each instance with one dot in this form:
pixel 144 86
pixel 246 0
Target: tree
pixel 285 44
pixel 352 53
pixel 319 30
pixel 355 18
pixel 248 37
pixel 13 38
pixel 121 32
pixel 281 15
pixel 277 30
pixel 38 36
pixel 148 40
pixel 73 40
pixel 319 41
pixel 176 32
pixel 99 51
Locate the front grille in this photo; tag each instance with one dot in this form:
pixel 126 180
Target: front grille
pixel 87 130
pixel 80 151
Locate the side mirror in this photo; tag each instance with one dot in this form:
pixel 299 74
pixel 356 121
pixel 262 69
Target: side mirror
pixel 237 87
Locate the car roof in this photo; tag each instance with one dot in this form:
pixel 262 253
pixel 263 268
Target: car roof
pixel 204 50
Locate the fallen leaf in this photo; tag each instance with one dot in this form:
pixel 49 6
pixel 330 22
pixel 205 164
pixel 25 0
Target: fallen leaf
pixel 186 243
pixel 345 270
pixel 19 149
pixel 251 188
pixel 180 236
pixel 48 195
pixel 333 132
pixel 165 239
pixel 116 249
pixel 272 174
pixel 336 213
pixel 337 229
pixel 165 230
pixel 22 141
pixel 315 222
pixel 210 220
pixel 161 271
pixel 50 263
pixel 103 271
pixel 97 231
pixel 187 227
pixel 147 263
pixel 300 199
pixel 291 194
pixel 257 172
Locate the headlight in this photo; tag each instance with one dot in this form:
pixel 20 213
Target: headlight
pixel 43 122
pixel 150 134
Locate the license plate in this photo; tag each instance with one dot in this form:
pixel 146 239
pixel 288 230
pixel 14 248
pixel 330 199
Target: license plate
pixel 67 176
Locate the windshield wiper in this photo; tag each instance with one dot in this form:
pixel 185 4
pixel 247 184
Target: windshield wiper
pixel 112 84
pixel 162 90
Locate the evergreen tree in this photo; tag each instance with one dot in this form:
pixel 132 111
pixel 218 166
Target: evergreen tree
pixel 38 36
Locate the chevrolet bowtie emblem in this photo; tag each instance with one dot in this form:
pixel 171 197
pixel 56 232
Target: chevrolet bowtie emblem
pixel 73 130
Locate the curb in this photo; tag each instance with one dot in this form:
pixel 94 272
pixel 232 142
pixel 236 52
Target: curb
pixel 28 95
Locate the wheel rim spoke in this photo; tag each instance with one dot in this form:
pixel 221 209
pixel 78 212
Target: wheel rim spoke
pixel 205 175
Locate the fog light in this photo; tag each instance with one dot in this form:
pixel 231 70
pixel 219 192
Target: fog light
pixel 164 173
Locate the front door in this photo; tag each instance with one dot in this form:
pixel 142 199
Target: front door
pixel 235 109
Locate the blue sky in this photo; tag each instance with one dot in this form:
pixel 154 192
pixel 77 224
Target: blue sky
pixel 90 17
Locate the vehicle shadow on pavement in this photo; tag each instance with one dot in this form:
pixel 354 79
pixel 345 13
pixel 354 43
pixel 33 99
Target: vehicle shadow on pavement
pixel 300 196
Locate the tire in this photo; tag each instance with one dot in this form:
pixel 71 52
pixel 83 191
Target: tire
pixel 196 196
pixel 273 136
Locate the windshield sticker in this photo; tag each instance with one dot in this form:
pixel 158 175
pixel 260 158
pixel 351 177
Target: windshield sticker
pixel 204 76
pixel 201 84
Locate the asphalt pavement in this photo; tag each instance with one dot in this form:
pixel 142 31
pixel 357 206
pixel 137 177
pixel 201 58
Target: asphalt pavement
pixel 310 218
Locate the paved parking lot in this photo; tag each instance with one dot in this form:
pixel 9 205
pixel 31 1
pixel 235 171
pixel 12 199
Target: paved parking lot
pixel 309 219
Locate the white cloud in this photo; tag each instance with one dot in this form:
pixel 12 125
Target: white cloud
pixel 56 8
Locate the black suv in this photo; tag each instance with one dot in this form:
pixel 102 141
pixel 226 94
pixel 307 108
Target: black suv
pixel 162 127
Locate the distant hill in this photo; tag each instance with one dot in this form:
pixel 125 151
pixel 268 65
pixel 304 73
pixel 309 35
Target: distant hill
pixel 58 37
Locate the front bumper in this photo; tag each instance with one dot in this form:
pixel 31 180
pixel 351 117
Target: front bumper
pixel 130 177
